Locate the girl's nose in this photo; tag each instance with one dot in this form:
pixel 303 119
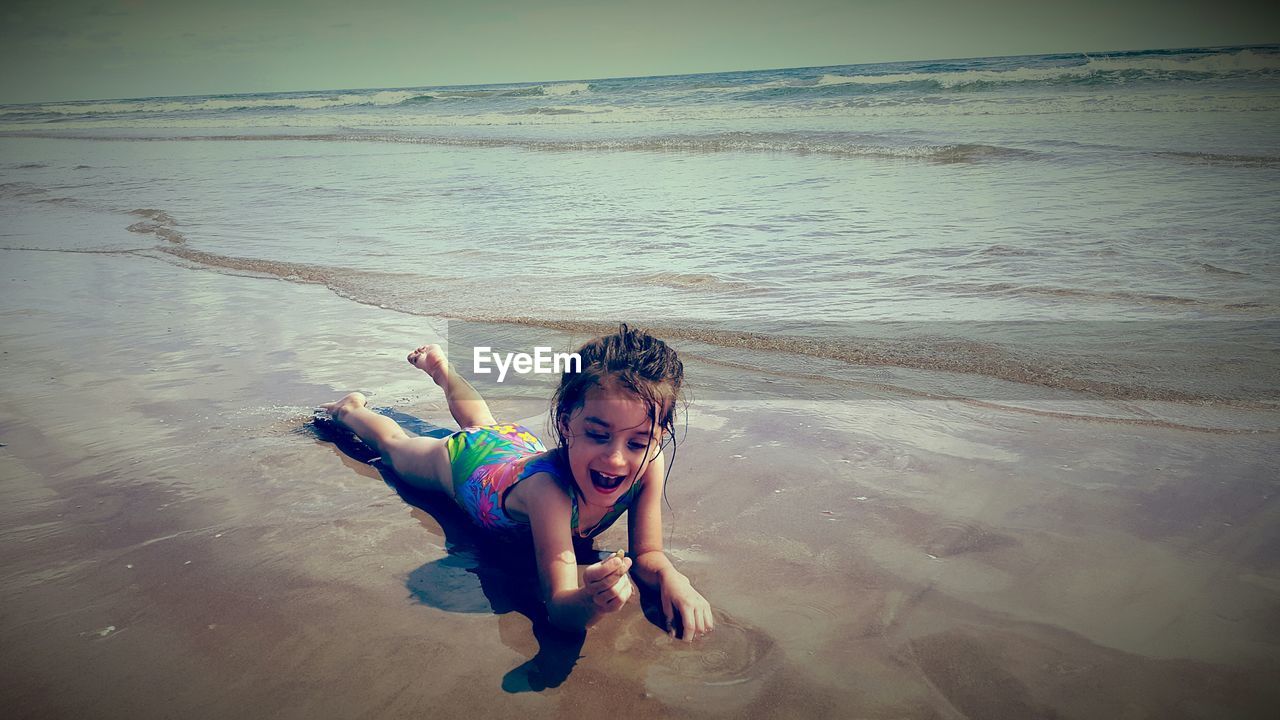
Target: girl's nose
pixel 615 457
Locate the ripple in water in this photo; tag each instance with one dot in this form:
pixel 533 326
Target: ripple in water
pixel 956 537
pixel 725 669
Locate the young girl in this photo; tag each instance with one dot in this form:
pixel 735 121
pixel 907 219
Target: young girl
pixel 612 417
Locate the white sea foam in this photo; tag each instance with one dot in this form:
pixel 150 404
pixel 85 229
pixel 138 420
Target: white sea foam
pixel 537 90
pixel 754 87
pixel 1221 64
pixel 874 106
pixel 562 89
pixel 1226 63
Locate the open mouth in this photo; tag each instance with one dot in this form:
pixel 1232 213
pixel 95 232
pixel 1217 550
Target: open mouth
pixel 606 483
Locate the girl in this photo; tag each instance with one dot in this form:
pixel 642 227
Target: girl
pixel 612 418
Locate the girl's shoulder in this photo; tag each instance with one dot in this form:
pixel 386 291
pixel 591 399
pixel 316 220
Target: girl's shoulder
pixel 538 491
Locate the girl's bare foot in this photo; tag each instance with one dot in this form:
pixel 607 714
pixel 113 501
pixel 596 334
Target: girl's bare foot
pixel 465 404
pixel 337 409
pixel 431 360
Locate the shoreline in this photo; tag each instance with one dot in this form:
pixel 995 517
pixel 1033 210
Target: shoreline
pixel 170 524
pixel 986 374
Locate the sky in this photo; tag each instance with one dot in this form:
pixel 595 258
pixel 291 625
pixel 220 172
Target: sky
pixel 54 50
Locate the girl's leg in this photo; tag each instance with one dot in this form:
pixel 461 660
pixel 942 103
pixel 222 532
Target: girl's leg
pixel 420 461
pixel 465 404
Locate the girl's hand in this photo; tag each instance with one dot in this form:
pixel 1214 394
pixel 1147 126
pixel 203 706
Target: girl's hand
pixel 607 583
pixel 678 596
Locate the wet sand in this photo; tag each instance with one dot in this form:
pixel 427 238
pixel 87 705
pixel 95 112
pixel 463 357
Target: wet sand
pixel 178 543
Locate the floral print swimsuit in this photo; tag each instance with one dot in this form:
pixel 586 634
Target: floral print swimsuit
pixel 487 461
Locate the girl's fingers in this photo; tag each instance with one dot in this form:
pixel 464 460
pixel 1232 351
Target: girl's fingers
pixel 607 585
pixel 603 575
pixel 596 572
pixel 696 620
pixel 614 596
pixel 615 582
pixel 622 589
pixel 606 602
pixel 608 582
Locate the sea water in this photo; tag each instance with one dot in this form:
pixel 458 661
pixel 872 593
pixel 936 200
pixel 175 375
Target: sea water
pixel 1104 224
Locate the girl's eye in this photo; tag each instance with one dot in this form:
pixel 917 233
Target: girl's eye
pixel 598 437
pixel 637 446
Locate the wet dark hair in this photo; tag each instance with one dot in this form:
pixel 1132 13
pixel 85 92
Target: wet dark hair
pixel 629 360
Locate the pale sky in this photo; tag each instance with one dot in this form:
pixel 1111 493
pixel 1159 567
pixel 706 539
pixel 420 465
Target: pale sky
pixel 97 49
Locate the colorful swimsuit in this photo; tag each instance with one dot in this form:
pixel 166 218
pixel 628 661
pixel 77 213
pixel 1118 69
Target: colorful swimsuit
pixel 489 460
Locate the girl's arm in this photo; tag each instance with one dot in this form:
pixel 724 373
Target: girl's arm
pixel 606 586
pixel 653 568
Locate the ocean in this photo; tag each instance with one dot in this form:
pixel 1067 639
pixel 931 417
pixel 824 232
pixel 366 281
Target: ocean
pixel 1071 227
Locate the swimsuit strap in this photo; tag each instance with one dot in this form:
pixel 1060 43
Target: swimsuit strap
pixel 610 517
pixel 551 464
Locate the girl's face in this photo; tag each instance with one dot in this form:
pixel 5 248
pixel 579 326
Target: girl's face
pixel 609 442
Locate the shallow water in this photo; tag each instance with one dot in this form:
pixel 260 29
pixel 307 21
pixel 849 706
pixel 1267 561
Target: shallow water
pixel 1102 225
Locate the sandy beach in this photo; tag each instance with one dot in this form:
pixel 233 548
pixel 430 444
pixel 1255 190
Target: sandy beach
pixel 179 543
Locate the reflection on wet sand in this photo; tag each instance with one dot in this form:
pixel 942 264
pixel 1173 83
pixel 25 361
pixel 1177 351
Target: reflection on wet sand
pixel 867 554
